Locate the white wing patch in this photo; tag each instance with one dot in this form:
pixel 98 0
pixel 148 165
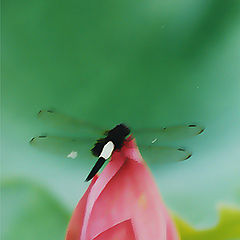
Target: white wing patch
pixel 107 150
pixel 72 155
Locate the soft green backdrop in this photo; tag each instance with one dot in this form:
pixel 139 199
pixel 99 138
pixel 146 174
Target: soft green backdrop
pixel 147 63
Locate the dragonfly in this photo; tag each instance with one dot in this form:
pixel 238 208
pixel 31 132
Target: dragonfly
pixel 150 140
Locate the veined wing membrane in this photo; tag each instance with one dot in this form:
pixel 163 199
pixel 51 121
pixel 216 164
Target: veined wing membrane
pixel 167 134
pixel 163 154
pixel 64 146
pixel 67 122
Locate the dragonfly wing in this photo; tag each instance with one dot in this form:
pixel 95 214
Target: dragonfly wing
pixel 167 134
pixel 69 123
pixel 163 154
pixel 64 146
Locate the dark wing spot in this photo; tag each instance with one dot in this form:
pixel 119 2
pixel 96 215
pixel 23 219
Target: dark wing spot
pixel 188 156
pixel 181 149
pixel 32 139
pixel 201 131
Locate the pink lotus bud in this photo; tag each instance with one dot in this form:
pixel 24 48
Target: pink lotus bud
pixel 123 203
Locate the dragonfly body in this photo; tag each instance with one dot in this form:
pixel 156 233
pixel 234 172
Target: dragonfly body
pixel 116 135
pixel 104 147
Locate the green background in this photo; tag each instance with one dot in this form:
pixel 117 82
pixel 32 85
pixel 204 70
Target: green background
pixel 147 63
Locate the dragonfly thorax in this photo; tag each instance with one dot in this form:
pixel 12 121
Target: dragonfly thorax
pixel 116 135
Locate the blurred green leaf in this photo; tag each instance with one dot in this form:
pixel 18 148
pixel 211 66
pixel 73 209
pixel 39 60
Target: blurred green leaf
pixel 228 227
pixel 146 63
pixel 30 212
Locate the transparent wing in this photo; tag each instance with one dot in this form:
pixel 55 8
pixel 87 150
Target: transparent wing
pixel 64 146
pixel 163 154
pixel 68 123
pixel 167 134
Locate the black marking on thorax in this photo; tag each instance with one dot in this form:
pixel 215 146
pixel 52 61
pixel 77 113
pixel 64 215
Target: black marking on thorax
pixel 117 135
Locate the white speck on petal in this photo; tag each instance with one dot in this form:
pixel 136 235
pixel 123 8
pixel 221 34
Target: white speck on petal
pixel 72 155
pixel 154 140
